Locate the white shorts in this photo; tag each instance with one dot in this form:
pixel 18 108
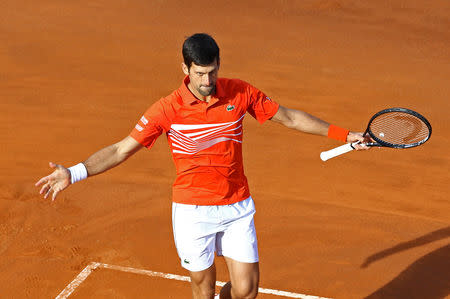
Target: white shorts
pixel 229 230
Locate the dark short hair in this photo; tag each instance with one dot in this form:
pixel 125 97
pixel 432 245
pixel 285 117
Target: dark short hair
pixel 200 49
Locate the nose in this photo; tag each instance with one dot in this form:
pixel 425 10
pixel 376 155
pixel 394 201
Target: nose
pixel 207 79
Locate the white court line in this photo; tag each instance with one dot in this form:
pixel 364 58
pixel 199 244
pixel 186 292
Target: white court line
pixel 92 266
pixel 77 281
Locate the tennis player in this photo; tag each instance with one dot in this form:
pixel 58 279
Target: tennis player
pixel 212 209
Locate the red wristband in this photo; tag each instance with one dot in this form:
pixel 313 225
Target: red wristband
pixel 337 133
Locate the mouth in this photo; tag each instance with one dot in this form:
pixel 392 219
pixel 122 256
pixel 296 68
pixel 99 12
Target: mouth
pixel 206 90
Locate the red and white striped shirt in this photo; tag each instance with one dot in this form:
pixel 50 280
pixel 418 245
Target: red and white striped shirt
pixel 206 139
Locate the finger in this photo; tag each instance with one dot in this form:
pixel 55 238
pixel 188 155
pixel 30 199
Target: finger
pixel 52 165
pixel 361 146
pixel 360 138
pixel 55 193
pixel 368 139
pixel 48 192
pixel 354 137
pixel 41 181
pixel 44 188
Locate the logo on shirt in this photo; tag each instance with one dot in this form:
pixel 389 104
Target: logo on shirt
pixel 186 261
pixel 230 108
pixel 269 99
pixel 144 120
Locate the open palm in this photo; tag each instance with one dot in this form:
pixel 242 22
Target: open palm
pixel 56 182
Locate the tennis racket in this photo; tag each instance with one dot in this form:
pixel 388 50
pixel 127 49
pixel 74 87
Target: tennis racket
pixel 393 127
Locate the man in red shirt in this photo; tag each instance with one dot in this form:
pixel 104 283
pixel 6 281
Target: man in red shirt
pixel 212 210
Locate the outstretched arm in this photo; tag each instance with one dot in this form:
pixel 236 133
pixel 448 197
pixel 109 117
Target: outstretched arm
pixel 99 162
pixel 111 156
pixel 304 122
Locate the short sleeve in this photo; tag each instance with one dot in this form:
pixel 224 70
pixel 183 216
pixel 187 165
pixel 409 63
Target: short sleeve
pixel 150 126
pixel 261 107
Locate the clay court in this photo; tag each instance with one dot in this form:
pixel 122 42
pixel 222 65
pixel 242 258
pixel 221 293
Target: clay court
pixel 76 76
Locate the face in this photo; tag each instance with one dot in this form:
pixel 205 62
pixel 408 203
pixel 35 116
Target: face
pixel 202 78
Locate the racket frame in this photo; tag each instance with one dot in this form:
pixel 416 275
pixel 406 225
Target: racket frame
pixel 380 142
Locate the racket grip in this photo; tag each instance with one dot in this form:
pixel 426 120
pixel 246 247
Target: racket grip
pixel 337 151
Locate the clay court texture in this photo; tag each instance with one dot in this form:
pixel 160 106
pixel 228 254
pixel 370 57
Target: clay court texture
pixel 76 76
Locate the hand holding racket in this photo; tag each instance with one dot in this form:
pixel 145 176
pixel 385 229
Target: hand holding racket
pixel 393 127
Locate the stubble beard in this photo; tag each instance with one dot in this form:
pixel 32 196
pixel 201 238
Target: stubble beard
pixel 209 90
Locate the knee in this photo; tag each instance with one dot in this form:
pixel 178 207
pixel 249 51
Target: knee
pixel 202 290
pixel 245 290
pixel 206 293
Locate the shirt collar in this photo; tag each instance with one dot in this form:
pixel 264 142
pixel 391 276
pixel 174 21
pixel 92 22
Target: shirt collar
pixel 189 98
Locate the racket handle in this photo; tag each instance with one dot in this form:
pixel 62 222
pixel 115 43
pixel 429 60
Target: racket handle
pixel 337 151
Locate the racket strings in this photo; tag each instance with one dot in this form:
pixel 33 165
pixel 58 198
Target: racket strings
pixel 399 128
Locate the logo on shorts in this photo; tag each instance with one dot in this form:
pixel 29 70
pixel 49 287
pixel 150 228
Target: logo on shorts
pixel 186 261
pixel 230 108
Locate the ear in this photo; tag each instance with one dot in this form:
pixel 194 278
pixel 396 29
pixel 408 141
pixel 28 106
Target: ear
pixel 185 69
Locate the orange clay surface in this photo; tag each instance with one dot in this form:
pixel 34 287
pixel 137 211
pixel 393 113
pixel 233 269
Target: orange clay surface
pixel 75 76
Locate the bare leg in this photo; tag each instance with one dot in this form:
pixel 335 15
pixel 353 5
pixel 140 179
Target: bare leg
pixel 203 283
pixel 244 280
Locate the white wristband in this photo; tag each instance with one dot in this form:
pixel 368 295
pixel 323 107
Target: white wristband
pixel 78 173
